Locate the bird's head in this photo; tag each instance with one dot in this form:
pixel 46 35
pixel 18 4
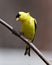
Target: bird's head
pixel 22 16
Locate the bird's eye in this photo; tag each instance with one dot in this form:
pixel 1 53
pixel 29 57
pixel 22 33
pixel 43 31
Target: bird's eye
pixel 17 16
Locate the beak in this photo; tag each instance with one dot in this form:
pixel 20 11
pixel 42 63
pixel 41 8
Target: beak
pixel 17 19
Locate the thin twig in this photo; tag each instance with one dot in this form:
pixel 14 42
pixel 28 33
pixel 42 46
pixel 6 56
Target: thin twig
pixel 34 48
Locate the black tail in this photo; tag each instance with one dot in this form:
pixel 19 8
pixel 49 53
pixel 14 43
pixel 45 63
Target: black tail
pixel 27 51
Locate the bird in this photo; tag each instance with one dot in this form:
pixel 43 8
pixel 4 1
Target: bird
pixel 28 27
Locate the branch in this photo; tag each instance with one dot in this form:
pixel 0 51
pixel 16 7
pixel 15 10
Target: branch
pixel 34 48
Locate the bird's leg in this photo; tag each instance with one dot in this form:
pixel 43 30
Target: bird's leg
pixel 27 51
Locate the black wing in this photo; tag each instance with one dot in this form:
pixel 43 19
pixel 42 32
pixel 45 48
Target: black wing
pixel 35 31
pixel 35 27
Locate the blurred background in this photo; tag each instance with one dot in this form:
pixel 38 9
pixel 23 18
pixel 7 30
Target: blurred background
pixel 9 43
pixel 41 10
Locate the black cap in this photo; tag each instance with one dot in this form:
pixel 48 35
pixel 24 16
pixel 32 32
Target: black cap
pixel 17 16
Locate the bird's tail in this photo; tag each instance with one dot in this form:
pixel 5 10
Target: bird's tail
pixel 27 51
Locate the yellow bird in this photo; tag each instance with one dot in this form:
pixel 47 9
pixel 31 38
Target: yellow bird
pixel 29 26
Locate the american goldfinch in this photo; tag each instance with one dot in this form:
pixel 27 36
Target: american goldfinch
pixel 29 26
